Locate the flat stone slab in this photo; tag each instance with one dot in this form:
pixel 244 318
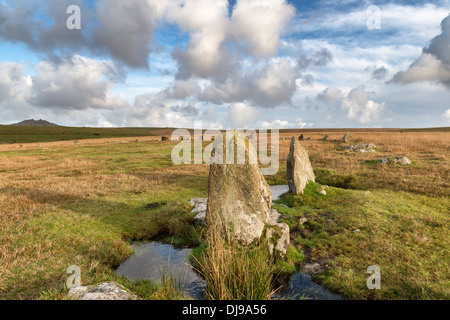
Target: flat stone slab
pixel 104 291
pixel 362 147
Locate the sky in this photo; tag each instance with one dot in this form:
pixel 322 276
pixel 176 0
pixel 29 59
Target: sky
pixel 229 64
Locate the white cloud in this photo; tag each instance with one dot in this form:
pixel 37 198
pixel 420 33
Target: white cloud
pixel 434 63
pixel 257 24
pixel 243 116
pixel 76 83
pixel 358 106
pixel 447 115
pixel 14 84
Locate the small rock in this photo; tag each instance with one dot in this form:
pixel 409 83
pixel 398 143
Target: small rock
pixel 363 147
pixel 164 139
pixel 200 208
pixel 403 160
pixel 104 291
pixel 356 230
pixel 331 221
pixel 325 138
pixel 302 220
pixel 312 268
pixel 323 192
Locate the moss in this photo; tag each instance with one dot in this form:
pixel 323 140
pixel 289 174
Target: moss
pixel 335 179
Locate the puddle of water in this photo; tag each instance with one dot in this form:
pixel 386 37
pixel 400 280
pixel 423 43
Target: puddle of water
pixel 300 287
pixel 277 191
pixel 150 259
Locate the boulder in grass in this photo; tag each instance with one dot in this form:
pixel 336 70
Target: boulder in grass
pixel 362 147
pixel 104 291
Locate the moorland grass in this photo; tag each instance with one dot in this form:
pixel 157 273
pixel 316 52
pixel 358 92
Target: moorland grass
pixel 84 204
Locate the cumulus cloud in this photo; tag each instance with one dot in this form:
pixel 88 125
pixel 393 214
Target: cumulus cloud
pixel 241 115
pixel 377 73
pixel 125 29
pixel 268 86
pixel 358 105
pixel 284 124
pixel 77 83
pixel 434 63
pixel 257 24
pixel 447 115
pixel 329 95
pixel 207 22
pixel 355 103
pixel 18 23
pixel 154 110
pixel 318 58
pixel 13 81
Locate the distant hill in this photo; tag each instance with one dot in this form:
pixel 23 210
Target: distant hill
pixel 35 123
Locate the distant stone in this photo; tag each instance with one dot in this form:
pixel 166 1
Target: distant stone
pixel 300 138
pixel 402 160
pixel 298 167
pixel 346 137
pixel 164 139
pixel 363 147
pixel 104 291
pixel 312 268
pixel 325 138
pixel 309 138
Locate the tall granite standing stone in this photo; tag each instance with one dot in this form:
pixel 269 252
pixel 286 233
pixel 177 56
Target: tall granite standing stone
pixel 239 197
pixel 299 169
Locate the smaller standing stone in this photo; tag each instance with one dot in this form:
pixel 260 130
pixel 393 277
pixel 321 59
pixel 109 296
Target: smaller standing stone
pixel 346 137
pixel 325 138
pixel 300 138
pixel 299 169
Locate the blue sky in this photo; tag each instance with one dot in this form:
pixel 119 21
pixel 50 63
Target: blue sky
pixel 229 64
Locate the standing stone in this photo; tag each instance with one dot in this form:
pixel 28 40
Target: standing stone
pixel 299 169
pixel 325 138
pixel 164 139
pixel 300 138
pixel 346 137
pixel 239 198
